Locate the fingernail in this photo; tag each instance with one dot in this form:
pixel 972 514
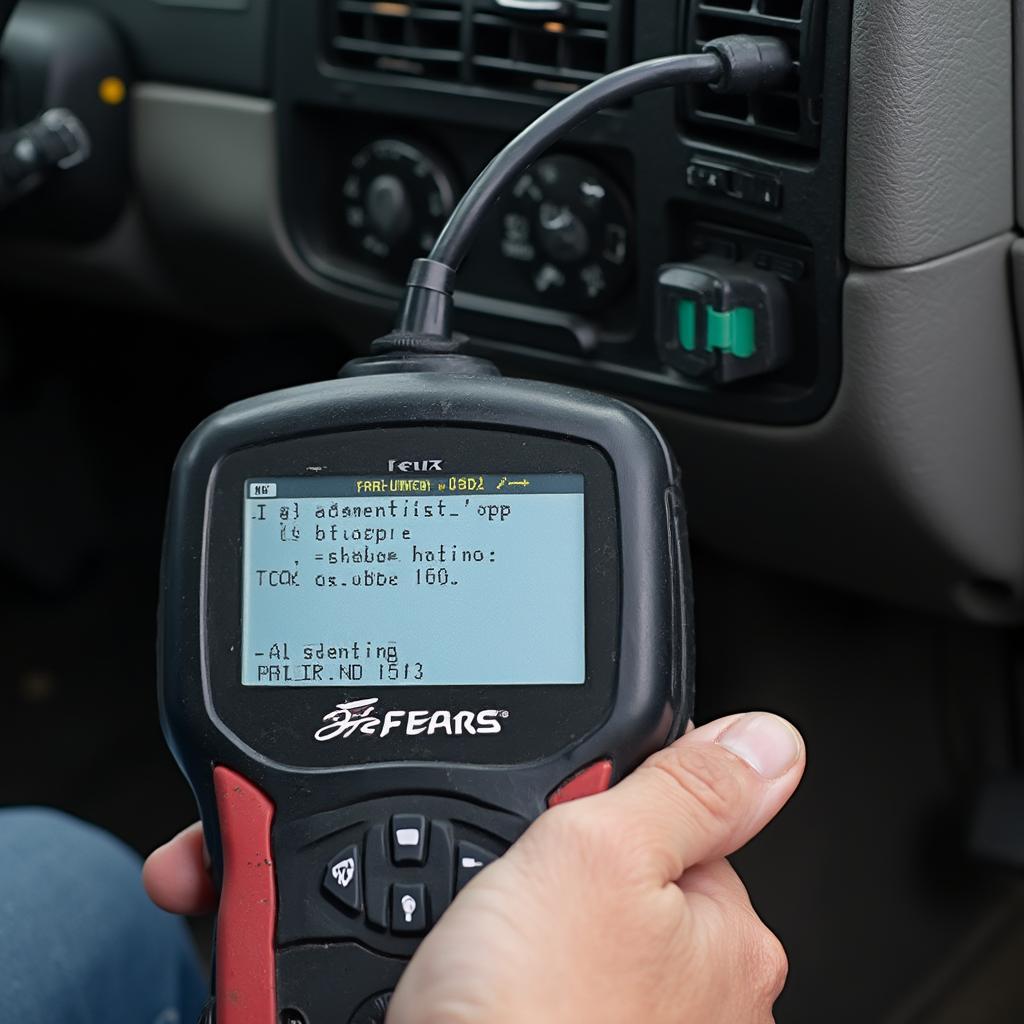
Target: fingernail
pixel 769 744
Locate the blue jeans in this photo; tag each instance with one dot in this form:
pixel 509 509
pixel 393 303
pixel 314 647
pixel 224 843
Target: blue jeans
pixel 80 943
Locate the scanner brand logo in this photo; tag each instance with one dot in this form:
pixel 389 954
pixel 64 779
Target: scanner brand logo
pixel 420 466
pixel 364 718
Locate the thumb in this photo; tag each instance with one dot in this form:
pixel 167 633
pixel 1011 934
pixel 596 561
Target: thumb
pixel 709 793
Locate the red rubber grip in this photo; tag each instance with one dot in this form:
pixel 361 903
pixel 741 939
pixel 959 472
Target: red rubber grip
pixel 595 779
pixel 246 977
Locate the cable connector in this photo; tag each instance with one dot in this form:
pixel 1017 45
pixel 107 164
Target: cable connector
pixel 750 63
pixel 427 307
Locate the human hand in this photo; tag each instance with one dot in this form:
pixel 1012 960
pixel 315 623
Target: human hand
pixel 621 907
pixel 617 908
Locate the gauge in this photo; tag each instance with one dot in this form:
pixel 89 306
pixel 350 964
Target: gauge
pixel 569 228
pixel 396 198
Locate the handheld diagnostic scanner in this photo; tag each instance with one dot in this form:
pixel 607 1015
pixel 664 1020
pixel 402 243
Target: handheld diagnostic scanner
pixel 403 613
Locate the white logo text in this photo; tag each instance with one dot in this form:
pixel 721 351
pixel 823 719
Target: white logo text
pixel 362 717
pixel 423 466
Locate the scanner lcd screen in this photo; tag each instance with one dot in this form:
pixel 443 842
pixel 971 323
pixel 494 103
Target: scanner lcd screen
pixel 413 580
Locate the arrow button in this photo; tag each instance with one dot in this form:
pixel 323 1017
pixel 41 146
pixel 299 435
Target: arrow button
pixel 470 860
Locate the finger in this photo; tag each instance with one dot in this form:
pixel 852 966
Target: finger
pixel 176 875
pixel 709 793
pixel 716 880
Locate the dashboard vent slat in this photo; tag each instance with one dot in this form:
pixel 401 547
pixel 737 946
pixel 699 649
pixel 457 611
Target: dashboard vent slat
pixel 412 37
pixel 480 43
pixel 788 117
pixel 527 54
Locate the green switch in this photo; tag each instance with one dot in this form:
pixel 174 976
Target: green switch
pixel 722 322
pixel 734 333
pixel 688 324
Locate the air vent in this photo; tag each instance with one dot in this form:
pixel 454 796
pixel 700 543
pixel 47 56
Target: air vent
pixel 788 116
pixel 532 46
pixel 517 50
pixel 419 37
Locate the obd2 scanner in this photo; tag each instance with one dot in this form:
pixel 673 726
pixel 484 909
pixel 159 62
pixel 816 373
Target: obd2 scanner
pixel 404 612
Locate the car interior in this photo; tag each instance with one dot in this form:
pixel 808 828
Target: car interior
pixel 207 200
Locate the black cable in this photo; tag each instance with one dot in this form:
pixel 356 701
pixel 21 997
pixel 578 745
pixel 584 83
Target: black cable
pixel 731 64
pixel 455 240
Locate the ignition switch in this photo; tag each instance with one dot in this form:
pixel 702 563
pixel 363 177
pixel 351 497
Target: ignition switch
pixel 727 321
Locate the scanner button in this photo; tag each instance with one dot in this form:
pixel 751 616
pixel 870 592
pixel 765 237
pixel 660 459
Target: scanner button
pixel 409 839
pixel 595 779
pixel 470 861
pixel 408 909
pixel 342 881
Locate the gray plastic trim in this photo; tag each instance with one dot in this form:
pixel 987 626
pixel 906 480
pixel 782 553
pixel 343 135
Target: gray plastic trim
pixel 930 148
pixel 912 487
pixel 207 166
pixel 206 162
pixel 1018 90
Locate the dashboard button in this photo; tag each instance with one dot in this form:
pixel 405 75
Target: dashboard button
pixel 767 192
pixel 707 179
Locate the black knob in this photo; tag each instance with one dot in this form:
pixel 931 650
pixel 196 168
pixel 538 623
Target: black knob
pixel 568 229
pixel 395 201
pixel 564 236
pixel 388 207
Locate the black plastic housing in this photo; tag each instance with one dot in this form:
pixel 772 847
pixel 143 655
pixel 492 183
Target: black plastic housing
pixel 639 643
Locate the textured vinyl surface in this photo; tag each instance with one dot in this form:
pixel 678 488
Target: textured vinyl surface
pixel 930 161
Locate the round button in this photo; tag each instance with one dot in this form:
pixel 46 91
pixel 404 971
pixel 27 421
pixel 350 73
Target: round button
pixel 374 1010
pixel 388 207
pixel 563 235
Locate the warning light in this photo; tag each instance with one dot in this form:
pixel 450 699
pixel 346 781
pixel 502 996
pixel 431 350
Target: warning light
pixel 557 27
pixel 112 90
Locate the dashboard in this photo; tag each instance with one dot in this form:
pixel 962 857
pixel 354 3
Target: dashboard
pixel 288 160
pixel 567 269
